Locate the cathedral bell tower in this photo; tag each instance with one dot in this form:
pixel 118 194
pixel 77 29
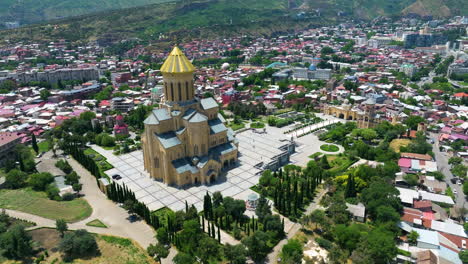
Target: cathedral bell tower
pixel 177 73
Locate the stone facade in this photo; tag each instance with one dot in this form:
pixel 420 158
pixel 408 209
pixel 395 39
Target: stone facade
pixel 364 119
pixel 186 141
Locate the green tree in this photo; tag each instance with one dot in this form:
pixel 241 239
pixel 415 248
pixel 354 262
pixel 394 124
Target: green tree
pixel 413 121
pixel 236 254
pixel 78 244
pixel 292 252
pixel 263 208
pixel 455 160
pixel 257 245
pixel 129 205
pixel 183 258
pixel 77 187
pixel 387 214
pixel 162 235
pixel 159 251
pixel 413 237
pixel 324 162
pixel 208 248
pixel 381 245
pixel 16 179
pixel 463 256
pixel 318 217
pixel 39 181
pixel 61 226
pixel 34 143
pixel 16 243
pixel 87 116
pixel 44 94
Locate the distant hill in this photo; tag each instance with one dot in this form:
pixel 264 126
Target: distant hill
pixel 33 11
pixel 218 18
pixel 438 8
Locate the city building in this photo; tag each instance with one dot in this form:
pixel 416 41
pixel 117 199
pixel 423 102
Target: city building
pixel 122 104
pixel 8 141
pixel 186 141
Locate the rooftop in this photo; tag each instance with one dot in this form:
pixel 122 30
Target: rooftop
pixel 177 62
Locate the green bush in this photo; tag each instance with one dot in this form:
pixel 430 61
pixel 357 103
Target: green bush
pixel 322 242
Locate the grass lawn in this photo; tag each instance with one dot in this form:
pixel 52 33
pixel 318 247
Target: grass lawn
pixel 316 154
pixel 96 223
pixel 44 146
pixel 329 148
pixel 37 203
pixel 111 249
pixel 236 126
pixel 338 163
pixel 100 160
pixel 397 143
pixel 257 125
pixel 161 214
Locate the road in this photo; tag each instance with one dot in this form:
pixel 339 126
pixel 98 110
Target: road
pixel 273 256
pixel 443 166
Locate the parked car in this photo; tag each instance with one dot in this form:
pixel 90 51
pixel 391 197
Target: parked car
pixel 116 177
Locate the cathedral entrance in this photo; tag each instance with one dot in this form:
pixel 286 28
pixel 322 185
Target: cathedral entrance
pixel 212 178
pixel 196 180
pixel 225 164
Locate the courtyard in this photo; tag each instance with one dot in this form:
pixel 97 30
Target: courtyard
pixel 256 148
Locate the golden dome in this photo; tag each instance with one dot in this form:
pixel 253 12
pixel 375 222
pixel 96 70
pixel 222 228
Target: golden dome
pixel 177 62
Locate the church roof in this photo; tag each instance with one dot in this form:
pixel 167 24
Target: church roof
pixel 161 114
pixel 151 120
pixel 189 113
pixel 168 140
pixel 216 126
pixel 197 118
pixel 182 165
pixel 176 62
pixel 208 103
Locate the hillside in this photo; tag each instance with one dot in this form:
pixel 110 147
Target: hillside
pixel 213 18
pixel 203 17
pixel 33 11
pixel 438 8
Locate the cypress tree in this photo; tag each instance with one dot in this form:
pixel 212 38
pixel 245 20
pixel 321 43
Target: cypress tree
pixel 34 143
pixel 209 229
pixel 213 230
pixel 219 235
pixel 203 223
pixel 186 206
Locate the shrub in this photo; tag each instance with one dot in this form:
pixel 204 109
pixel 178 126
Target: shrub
pixel 53 192
pixel 39 181
pixel 64 166
pixel 78 244
pixel 326 244
pixel 68 196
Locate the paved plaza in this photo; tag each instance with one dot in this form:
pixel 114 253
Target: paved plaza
pixel 254 148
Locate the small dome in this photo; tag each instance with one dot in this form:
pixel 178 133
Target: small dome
pixel 119 117
pixel 225 66
pixel 312 67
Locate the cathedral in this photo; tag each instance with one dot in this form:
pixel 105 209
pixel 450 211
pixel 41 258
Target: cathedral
pixel 186 140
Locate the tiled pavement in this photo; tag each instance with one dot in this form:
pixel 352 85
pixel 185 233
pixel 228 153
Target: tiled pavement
pixel 236 183
pixel 253 148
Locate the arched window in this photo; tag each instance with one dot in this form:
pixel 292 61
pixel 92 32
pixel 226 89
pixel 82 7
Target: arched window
pixel 172 91
pixel 187 91
pixel 195 150
pixel 156 162
pixel 180 91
